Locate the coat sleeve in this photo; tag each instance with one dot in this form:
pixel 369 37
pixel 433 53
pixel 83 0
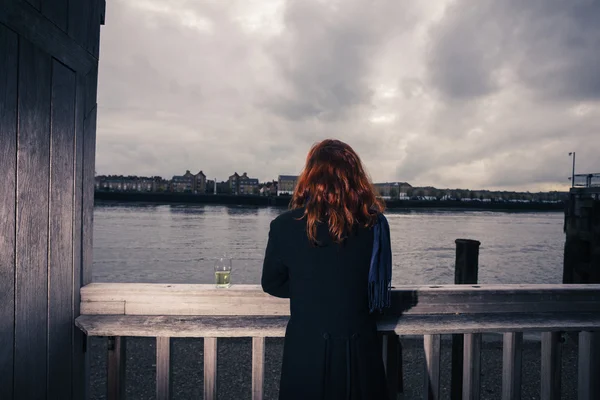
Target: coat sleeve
pixel 275 277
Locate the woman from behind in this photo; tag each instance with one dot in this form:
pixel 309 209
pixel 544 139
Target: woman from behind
pixel 330 255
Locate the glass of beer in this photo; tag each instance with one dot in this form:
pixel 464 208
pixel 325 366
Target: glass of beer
pixel 223 272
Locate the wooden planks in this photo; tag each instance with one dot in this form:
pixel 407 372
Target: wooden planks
pixel 432 347
pixel 115 368
pixel 163 368
pixel 588 384
pixel 36 28
pixel 86 30
pixel 258 367
pixel 471 366
pixel 274 326
pixel 210 368
pixel 161 299
pixel 511 365
pixel 80 361
pixel 8 168
pixel 87 219
pixel 60 272
pixel 551 361
pixel 57 11
pixel 32 222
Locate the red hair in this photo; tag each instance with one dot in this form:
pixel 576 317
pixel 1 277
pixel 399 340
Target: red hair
pixel 335 188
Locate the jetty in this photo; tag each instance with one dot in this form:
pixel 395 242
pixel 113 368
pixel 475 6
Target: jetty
pixel 49 308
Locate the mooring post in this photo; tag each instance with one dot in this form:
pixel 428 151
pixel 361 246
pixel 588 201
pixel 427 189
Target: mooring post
pixel 465 273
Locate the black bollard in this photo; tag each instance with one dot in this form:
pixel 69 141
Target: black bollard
pixel 465 273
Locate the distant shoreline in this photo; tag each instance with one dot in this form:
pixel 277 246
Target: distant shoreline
pixel 283 201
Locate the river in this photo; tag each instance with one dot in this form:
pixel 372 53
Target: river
pixel 136 242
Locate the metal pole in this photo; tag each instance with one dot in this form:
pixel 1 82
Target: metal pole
pixel 573 173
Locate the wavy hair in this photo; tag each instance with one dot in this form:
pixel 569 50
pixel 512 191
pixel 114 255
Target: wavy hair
pixel 335 188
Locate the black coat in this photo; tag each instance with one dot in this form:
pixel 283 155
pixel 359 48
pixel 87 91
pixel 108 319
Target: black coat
pixel 331 347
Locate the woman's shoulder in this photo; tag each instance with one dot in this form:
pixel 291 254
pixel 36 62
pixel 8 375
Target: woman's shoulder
pixel 290 217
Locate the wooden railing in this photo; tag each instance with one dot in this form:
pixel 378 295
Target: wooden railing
pixel 165 311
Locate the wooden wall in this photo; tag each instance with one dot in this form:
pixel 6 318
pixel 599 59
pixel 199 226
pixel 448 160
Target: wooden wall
pixel 48 80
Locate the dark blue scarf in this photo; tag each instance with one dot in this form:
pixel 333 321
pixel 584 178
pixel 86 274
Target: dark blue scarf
pixel 380 271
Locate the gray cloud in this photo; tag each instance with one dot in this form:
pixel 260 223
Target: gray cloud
pixel 452 93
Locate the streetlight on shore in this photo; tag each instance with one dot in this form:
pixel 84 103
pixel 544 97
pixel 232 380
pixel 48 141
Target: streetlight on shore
pixel 572 154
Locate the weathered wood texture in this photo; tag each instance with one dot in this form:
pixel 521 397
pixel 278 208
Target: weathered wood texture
pixel 8 169
pixel 80 358
pixel 57 11
pixel 43 73
pixel 33 161
pixel 188 299
pixel 210 368
pixel 588 386
pixel 551 362
pixel 85 18
pixel 273 326
pixel 432 347
pixel 87 218
pixel 116 364
pixel 31 25
pixel 163 368
pixel 60 268
pixel 258 367
pixel 511 365
pixel 471 366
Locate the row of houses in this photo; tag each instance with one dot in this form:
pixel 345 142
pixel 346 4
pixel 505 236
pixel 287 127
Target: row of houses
pixel 197 184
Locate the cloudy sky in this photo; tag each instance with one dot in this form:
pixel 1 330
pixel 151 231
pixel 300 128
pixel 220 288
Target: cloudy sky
pixel 459 93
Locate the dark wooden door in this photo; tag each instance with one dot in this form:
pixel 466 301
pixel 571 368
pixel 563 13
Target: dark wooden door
pixel 48 79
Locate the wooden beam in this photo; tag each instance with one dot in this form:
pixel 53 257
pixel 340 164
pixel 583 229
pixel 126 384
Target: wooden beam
pixel 472 366
pixel 33 166
pixel 40 31
pixel 79 356
pixel 115 367
pixel 9 50
pixel 210 368
pixel 551 361
pixel 511 365
pixel 268 326
pixel 588 385
pixel 186 299
pixel 258 367
pixel 432 346
pixel 89 156
pixel 163 368
pixel 60 268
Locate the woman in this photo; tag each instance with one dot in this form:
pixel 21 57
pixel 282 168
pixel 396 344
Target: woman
pixel 330 255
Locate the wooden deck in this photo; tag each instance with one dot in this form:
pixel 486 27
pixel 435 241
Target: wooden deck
pixel 165 311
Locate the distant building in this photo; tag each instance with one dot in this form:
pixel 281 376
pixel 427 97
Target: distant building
pixel 120 183
pixel 242 184
pixel 268 189
pixel 199 183
pixel 183 183
pixel 286 184
pixel 393 190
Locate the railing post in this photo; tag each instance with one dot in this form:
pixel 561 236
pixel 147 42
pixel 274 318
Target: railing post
pixel 432 347
pixel 551 360
pixel 115 366
pixel 258 367
pixel 163 368
pixel 588 376
pixel 512 351
pixel 210 368
pixel 466 270
pixel 472 366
